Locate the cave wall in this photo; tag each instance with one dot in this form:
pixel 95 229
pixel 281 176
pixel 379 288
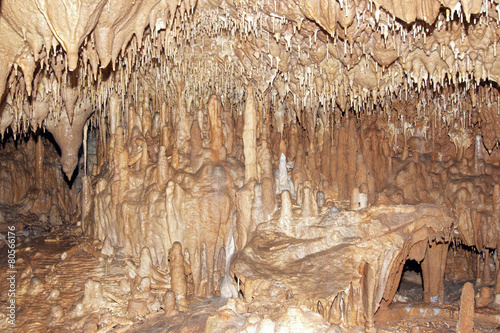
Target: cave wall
pixel 162 181
pixel 33 188
pixel 203 114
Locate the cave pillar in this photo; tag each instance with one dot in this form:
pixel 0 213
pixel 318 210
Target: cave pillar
pixel 496 290
pixel 352 155
pixel 39 156
pixel 115 113
pixel 228 129
pixel 245 225
pixel 131 120
pixel 86 200
pixel 216 133
pixel 496 210
pixel 433 268
pixel 325 156
pixel 250 136
pixel 342 162
pixel 164 139
pixel 162 171
pixel 146 120
pixel 163 114
pixel 144 161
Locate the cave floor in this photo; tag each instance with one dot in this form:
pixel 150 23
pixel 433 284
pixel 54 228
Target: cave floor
pixel 52 270
pixel 408 310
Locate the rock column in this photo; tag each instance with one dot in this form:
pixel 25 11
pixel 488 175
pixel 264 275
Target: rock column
pixel 250 136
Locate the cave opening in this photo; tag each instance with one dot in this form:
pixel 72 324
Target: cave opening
pixel 410 287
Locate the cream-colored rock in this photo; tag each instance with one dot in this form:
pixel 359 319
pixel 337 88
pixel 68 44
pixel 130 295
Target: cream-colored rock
pixel 270 262
pixel 250 136
pixel 69 135
pixel 178 275
pixel 93 298
pixel 107 248
pixel 297 318
pixel 241 130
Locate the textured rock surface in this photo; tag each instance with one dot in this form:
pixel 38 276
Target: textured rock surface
pixel 308 259
pixel 71 57
pixel 196 132
pixel 34 193
pixel 465 322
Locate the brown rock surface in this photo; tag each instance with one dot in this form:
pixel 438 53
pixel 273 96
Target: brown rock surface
pixel 315 250
pixel 243 130
pixel 465 322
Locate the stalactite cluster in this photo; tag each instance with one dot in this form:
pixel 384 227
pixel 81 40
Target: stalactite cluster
pixel 364 57
pixel 255 150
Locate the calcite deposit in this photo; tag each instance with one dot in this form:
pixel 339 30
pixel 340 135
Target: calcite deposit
pixel 250 166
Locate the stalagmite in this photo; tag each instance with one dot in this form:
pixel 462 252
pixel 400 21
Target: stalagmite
pixel 250 136
pixel 245 224
pixel 175 158
pixel 182 121
pixel 465 322
pixel 216 133
pixel 39 158
pixel 286 209
pixel 93 298
pixel 85 201
pixel 308 155
pixel 483 297
pixel 144 157
pixel 283 181
pixel 131 120
pixel 178 275
pixel 169 303
pixel 228 129
pixel 358 200
pixel 309 205
pixel 196 145
pixel 433 267
pixel 115 113
pixel 107 248
pixel 147 269
pixel 162 168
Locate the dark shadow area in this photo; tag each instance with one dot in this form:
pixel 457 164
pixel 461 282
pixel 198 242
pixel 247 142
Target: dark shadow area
pixel 411 286
pixel 48 136
pixel 9 137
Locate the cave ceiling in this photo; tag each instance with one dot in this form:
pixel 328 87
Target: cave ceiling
pixel 238 127
pixel 413 62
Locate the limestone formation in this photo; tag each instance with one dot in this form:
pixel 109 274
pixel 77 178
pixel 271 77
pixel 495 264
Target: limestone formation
pixel 465 322
pixel 250 136
pixel 307 154
pixel 483 297
pixel 169 303
pixel 178 275
pixel 329 240
pixel 147 269
pixel 92 300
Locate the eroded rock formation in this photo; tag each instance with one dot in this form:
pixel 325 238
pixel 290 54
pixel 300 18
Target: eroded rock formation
pixel 308 260
pixel 298 151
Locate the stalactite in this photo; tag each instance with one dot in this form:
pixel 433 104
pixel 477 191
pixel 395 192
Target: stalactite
pixel 215 124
